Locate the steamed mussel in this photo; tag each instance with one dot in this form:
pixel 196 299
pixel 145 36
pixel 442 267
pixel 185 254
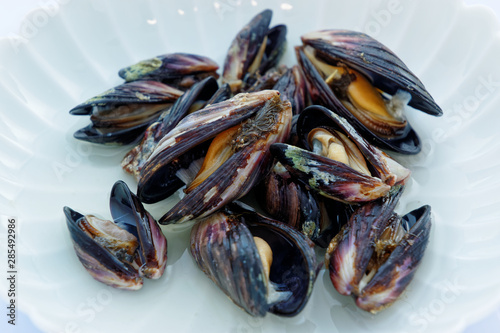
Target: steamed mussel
pixel 200 94
pixel 366 83
pixel 338 163
pixel 180 70
pixel 122 252
pixel 255 50
pixel 122 114
pixel 292 202
pixel 376 254
pixel 241 129
pixel 261 264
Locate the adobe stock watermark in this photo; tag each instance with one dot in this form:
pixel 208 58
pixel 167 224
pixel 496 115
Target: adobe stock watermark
pixel 449 294
pixel 73 159
pixel 462 111
pixel 457 116
pixel 89 309
pixel 224 6
pixel 253 325
pixel 39 19
pixel 381 18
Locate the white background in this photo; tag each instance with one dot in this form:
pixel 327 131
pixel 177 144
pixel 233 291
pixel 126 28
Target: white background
pixel 11 14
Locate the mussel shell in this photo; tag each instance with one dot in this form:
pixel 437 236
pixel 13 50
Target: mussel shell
pixel 160 183
pixel 292 87
pixel 328 177
pixel 200 91
pixel 246 166
pixel 370 57
pixel 398 270
pixel 407 142
pixel 99 262
pixel 223 247
pixel 192 131
pixel 349 253
pixel 168 67
pixel 111 136
pixel 275 48
pixel 113 267
pixel 119 130
pixel 285 199
pixel 381 165
pixel 289 201
pixel 129 213
pixel 245 47
pixel 141 92
pixel 204 90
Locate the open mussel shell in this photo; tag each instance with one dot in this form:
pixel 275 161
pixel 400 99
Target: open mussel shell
pixel 189 139
pixel 328 177
pixel 193 99
pixel 376 254
pixel 377 67
pixel 274 49
pixel 119 253
pixel 334 178
pixel 244 49
pixel 101 264
pixel 373 59
pixel 237 160
pixel 129 213
pixel 120 115
pixel 224 245
pixel 254 52
pixel 181 70
pixel 142 92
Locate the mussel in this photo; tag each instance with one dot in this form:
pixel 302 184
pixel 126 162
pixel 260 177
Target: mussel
pixel 122 252
pixel 255 50
pixel 293 203
pixel 180 70
pixel 261 264
pixel 192 100
pixel 366 83
pixel 376 254
pixel 292 87
pixel 338 162
pixel 122 114
pixel 242 129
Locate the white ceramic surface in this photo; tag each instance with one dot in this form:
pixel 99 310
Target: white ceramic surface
pixel 74 53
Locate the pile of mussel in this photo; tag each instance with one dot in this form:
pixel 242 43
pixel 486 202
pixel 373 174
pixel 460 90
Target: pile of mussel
pixel 310 142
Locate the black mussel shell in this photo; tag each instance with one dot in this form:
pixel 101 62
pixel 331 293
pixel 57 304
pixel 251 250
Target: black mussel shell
pixel 172 69
pixel 223 247
pixel 407 140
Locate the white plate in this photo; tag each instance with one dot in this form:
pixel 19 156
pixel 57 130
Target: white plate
pixel 75 53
